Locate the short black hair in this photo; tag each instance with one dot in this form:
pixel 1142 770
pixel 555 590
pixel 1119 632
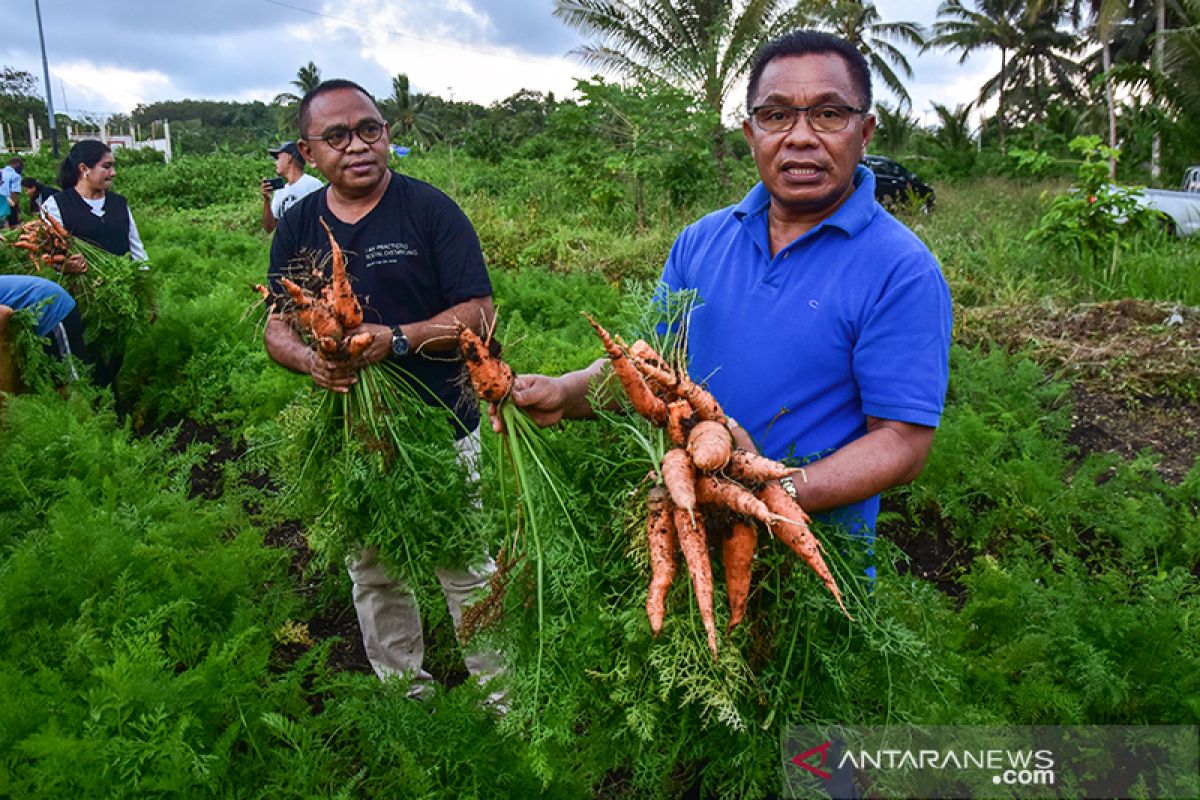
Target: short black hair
pixel 321 88
pixel 806 42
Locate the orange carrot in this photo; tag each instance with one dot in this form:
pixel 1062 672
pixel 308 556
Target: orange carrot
pixel 793 532
pixel 313 314
pixel 680 478
pixel 679 421
pixel 709 444
pixel 262 290
pixel 641 398
pixel 357 343
pixel 660 534
pixel 694 543
pixel 57 228
pixel 329 347
pixel 737 554
pixel 705 405
pixel 492 377
pixel 726 494
pixel 750 467
pixel 345 305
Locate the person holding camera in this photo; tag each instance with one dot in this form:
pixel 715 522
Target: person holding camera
pixel 282 192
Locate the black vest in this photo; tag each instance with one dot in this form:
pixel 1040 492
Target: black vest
pixel 110 232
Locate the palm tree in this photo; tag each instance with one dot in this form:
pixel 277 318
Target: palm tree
pixel 307 79
pixel 1106 14
pixel 408 115
pixel 703 46
pixel 859 22
pixel 1046 63
pixel 994 23
pixel 895 130
pixel 1181 59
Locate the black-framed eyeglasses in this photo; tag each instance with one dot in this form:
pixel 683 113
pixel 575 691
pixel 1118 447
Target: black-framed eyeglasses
pixel 369 131
pixel 824 117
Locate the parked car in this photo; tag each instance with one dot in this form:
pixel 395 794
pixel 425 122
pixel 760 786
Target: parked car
pixel 1181 207
pixel 897 186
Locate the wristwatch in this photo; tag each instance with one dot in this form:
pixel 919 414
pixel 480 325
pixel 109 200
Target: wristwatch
pixel 399 341
pixel 789 485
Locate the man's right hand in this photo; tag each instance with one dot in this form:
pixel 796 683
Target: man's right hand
pixel 542 397
pixel 265 190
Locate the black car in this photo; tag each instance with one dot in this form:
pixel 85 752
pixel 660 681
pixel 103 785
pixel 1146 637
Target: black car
pixel 896 187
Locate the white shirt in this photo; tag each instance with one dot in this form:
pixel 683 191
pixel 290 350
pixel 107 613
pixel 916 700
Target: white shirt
pixel 137 251
pixel 288 196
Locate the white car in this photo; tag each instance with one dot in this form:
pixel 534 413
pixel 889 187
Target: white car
pixel 1183 206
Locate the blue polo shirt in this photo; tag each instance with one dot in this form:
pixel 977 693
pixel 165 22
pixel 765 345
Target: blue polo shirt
pixel 850 320
pixel 24 291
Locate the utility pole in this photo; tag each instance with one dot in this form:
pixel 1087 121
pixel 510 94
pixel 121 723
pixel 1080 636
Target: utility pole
pixel 37 6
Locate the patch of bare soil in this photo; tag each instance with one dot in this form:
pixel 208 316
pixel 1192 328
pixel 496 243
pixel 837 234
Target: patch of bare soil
pixel 1134 369
pixel 1134 366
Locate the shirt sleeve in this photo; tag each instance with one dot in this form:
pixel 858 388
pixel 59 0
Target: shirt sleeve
pixel 51 209
pixel 137 251
pixel 901 358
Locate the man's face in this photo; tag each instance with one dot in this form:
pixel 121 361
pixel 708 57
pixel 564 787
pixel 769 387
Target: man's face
pixel 358 168
pixel 281 163
pixel 807 172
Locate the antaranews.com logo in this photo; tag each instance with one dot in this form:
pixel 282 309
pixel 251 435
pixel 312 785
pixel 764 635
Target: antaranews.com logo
pixel 985 761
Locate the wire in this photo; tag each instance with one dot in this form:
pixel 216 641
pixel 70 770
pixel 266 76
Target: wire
pixel 401 34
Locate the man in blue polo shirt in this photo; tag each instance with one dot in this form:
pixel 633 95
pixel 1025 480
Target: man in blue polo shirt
pixel 822 324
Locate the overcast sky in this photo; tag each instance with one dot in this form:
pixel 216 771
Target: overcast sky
pixel 108 57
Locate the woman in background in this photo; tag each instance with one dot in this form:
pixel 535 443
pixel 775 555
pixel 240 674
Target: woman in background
pixel 88 208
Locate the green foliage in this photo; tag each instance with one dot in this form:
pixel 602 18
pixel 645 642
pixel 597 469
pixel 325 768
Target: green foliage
pixel 141 647
pixel 1031 162
pixel 378 468
pixel 192 182
pixel 1097 218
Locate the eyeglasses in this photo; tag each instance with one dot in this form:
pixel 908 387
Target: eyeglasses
pixel 824 118
pixel 369 131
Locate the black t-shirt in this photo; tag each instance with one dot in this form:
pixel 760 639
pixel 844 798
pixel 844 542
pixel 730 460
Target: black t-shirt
pixel 413 256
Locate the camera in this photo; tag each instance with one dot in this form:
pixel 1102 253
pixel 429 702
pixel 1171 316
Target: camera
pixel 275 183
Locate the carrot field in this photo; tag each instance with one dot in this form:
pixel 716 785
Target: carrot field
pixel 175 620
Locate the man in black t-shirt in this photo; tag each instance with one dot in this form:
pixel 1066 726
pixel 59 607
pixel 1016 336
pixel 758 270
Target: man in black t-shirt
pixel 415 260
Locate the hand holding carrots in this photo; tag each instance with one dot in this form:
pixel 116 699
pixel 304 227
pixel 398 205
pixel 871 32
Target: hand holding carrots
pixel 74 264
pixel 338 374
pixel 542 397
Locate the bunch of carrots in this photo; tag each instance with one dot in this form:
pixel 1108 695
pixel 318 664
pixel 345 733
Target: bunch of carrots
pixel 323 309
pixel 705 479
pixel 46 241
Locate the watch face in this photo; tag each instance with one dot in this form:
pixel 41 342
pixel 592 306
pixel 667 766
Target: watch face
pixel 399 342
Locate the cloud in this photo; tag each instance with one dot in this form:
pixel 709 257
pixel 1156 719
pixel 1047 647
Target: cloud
pixel 122 88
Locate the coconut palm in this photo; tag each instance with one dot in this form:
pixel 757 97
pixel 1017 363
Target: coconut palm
pixel 895 130
pixel 993 23
pixel 1045 63
pixel 307 79
pixel 406 112
pixel 859 22
pixel 703 46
